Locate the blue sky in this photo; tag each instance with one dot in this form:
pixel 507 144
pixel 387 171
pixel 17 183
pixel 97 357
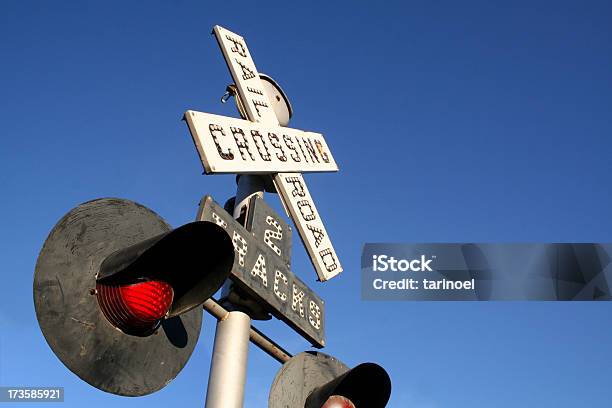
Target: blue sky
pixel 450 121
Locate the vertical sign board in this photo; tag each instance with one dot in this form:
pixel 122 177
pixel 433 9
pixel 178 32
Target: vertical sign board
pixel 261 272
pixel 290 186
pixel 309 225
pixel 246 77
pixel 265 224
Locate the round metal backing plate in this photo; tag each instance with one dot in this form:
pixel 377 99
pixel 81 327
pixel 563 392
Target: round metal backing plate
pixel 299 376
pixel 278 99
pixel 68 311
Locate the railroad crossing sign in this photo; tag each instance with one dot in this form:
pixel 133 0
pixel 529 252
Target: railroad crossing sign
pixel 114 282
pixel 235 146
pixel 261 267
pixel 229 145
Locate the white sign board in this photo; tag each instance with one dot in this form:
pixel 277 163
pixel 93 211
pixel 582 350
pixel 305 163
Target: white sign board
pixel 251 90
pixel 229 145
pixel 258 108
pixel 292 187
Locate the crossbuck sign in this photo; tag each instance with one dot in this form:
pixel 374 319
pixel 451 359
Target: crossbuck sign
pixel 261 146
pixel 230 145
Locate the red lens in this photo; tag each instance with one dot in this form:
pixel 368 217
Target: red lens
pixel 147 301
pixel 136 308
pixel 338 401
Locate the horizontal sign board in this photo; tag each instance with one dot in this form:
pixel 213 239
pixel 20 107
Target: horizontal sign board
pixel 230 145
pixel 265 276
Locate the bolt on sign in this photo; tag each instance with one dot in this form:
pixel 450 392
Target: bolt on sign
pixel 235 146
pixel 261 268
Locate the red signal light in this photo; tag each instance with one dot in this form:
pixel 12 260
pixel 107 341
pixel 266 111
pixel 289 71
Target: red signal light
pixel 338 401
pixel 148 301
pixel 135 308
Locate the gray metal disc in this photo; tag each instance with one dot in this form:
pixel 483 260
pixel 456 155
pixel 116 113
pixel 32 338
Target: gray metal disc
pixel 68 311
pixel 299 376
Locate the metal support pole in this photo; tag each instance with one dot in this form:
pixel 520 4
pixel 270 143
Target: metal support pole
pixel 229 362
pixel 268 346
pixel 262 341
pixel 248 185
pixel 231 350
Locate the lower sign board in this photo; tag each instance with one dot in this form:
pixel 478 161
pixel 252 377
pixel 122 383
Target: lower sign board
pixel 229 145
pixel 265 276
pixel 267 226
